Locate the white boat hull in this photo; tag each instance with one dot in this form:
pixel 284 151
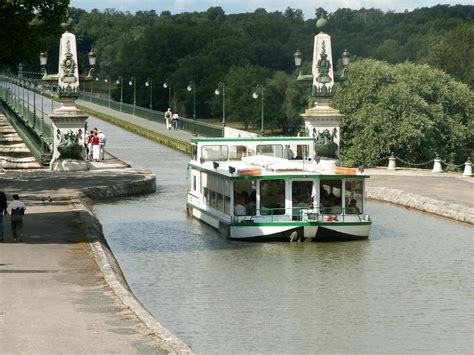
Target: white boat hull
pixel 322 231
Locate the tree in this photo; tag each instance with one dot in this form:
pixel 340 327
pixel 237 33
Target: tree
pixel 453 52
pixel 24 26
pixel 410 109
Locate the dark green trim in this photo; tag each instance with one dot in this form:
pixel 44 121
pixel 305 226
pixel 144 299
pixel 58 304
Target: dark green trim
pixel 279 177
pixel 298 223
pixel 256 139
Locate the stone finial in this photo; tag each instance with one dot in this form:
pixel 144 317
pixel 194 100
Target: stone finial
pixel 467 167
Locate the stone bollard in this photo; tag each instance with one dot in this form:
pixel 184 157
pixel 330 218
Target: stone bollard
pixel 467 167
pixel 437 168
pixel 392 162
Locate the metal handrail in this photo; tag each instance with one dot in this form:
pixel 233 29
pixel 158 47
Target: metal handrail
pixel 313 214
pixel 186 124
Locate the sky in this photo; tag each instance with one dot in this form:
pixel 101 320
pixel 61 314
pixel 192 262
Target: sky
pixel 238 6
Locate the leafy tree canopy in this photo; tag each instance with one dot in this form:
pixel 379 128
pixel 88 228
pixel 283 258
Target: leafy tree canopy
pixel 410 109
pixel 25 26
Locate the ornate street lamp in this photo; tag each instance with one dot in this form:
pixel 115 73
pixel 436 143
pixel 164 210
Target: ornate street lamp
pixel 167 84
pixel 133 82
pixel 259 88
pixel 120 81
pixel 323 122
pixel 192 87
pixel 323 76
pixel 221 88
pixel 149 83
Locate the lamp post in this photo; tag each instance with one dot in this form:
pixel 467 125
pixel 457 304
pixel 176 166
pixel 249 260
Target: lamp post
pixel 149 83
pixel 133 82
pixel 92 81
pixel 221 88
pixel 167 84
pixel 120 81
pixel 255 95
pixel 192 87
pixel 107 80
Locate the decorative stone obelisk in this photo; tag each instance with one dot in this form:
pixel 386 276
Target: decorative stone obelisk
pixel 68 121
pixel 322 121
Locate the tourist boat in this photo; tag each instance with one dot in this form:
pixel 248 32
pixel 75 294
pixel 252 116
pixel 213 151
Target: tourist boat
pixel 270 188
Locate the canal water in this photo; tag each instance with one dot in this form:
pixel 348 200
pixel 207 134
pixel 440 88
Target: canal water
pixel 406 289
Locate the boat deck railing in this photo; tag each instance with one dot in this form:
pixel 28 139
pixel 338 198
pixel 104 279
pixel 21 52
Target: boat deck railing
pixel 304 214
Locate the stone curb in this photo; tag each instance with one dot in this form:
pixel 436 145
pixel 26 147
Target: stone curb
pixel 424 204
pixel 109 265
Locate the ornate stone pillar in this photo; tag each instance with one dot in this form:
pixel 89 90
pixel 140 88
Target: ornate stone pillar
pixel 68 122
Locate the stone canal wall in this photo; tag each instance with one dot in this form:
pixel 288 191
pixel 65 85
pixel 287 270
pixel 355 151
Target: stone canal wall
pixel 115 279
pixel 422 203
pixel 106 260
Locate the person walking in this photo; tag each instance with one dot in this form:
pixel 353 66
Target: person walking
pixel 102 141
pixel 175 121
pixel 16 209
pixel 3 211
pixel 95 142
pixel 168 115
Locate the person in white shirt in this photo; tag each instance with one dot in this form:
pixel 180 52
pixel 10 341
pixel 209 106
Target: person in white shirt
pixel 168 115
pixel 102 140
pixel 16 209
pixel 175 121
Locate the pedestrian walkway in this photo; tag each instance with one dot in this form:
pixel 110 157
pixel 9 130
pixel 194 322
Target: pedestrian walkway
pixel 54 298
pixel 158 127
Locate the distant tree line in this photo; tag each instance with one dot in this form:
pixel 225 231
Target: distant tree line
pixel 413 96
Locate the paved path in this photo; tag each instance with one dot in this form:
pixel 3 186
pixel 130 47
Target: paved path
pixel 444 187
pixel 53 296
pixel 159 127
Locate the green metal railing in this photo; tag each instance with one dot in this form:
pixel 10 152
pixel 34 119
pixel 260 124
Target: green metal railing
pixel 186 124
pixel 308 214
pixel 35 132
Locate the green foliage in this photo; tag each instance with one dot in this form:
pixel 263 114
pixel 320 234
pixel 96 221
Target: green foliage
pixel 453 52
pixel 23 25
pixel 409 109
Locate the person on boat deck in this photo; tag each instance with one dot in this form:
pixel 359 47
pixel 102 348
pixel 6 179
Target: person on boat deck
pixel 352 208
pixel 239 209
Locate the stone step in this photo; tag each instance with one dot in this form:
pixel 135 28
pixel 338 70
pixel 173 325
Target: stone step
pixel 9 140
pixel 14 154
pixel 15 165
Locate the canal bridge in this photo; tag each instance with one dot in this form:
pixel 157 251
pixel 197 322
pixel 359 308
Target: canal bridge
pixel 27 103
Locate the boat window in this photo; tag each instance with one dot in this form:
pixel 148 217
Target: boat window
pixel 194 152
pixel 289 153
pixel 245 198
pixel 227 205
pixel 220 202
pixel 272 150
pixel 331 196
pixel 214 152
pixel 205 195
pixel 194 183
pixel 354 198
pixel 212 198
pixel 302 151
pixel 236 152
pixel 301 192
pixel 272 197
